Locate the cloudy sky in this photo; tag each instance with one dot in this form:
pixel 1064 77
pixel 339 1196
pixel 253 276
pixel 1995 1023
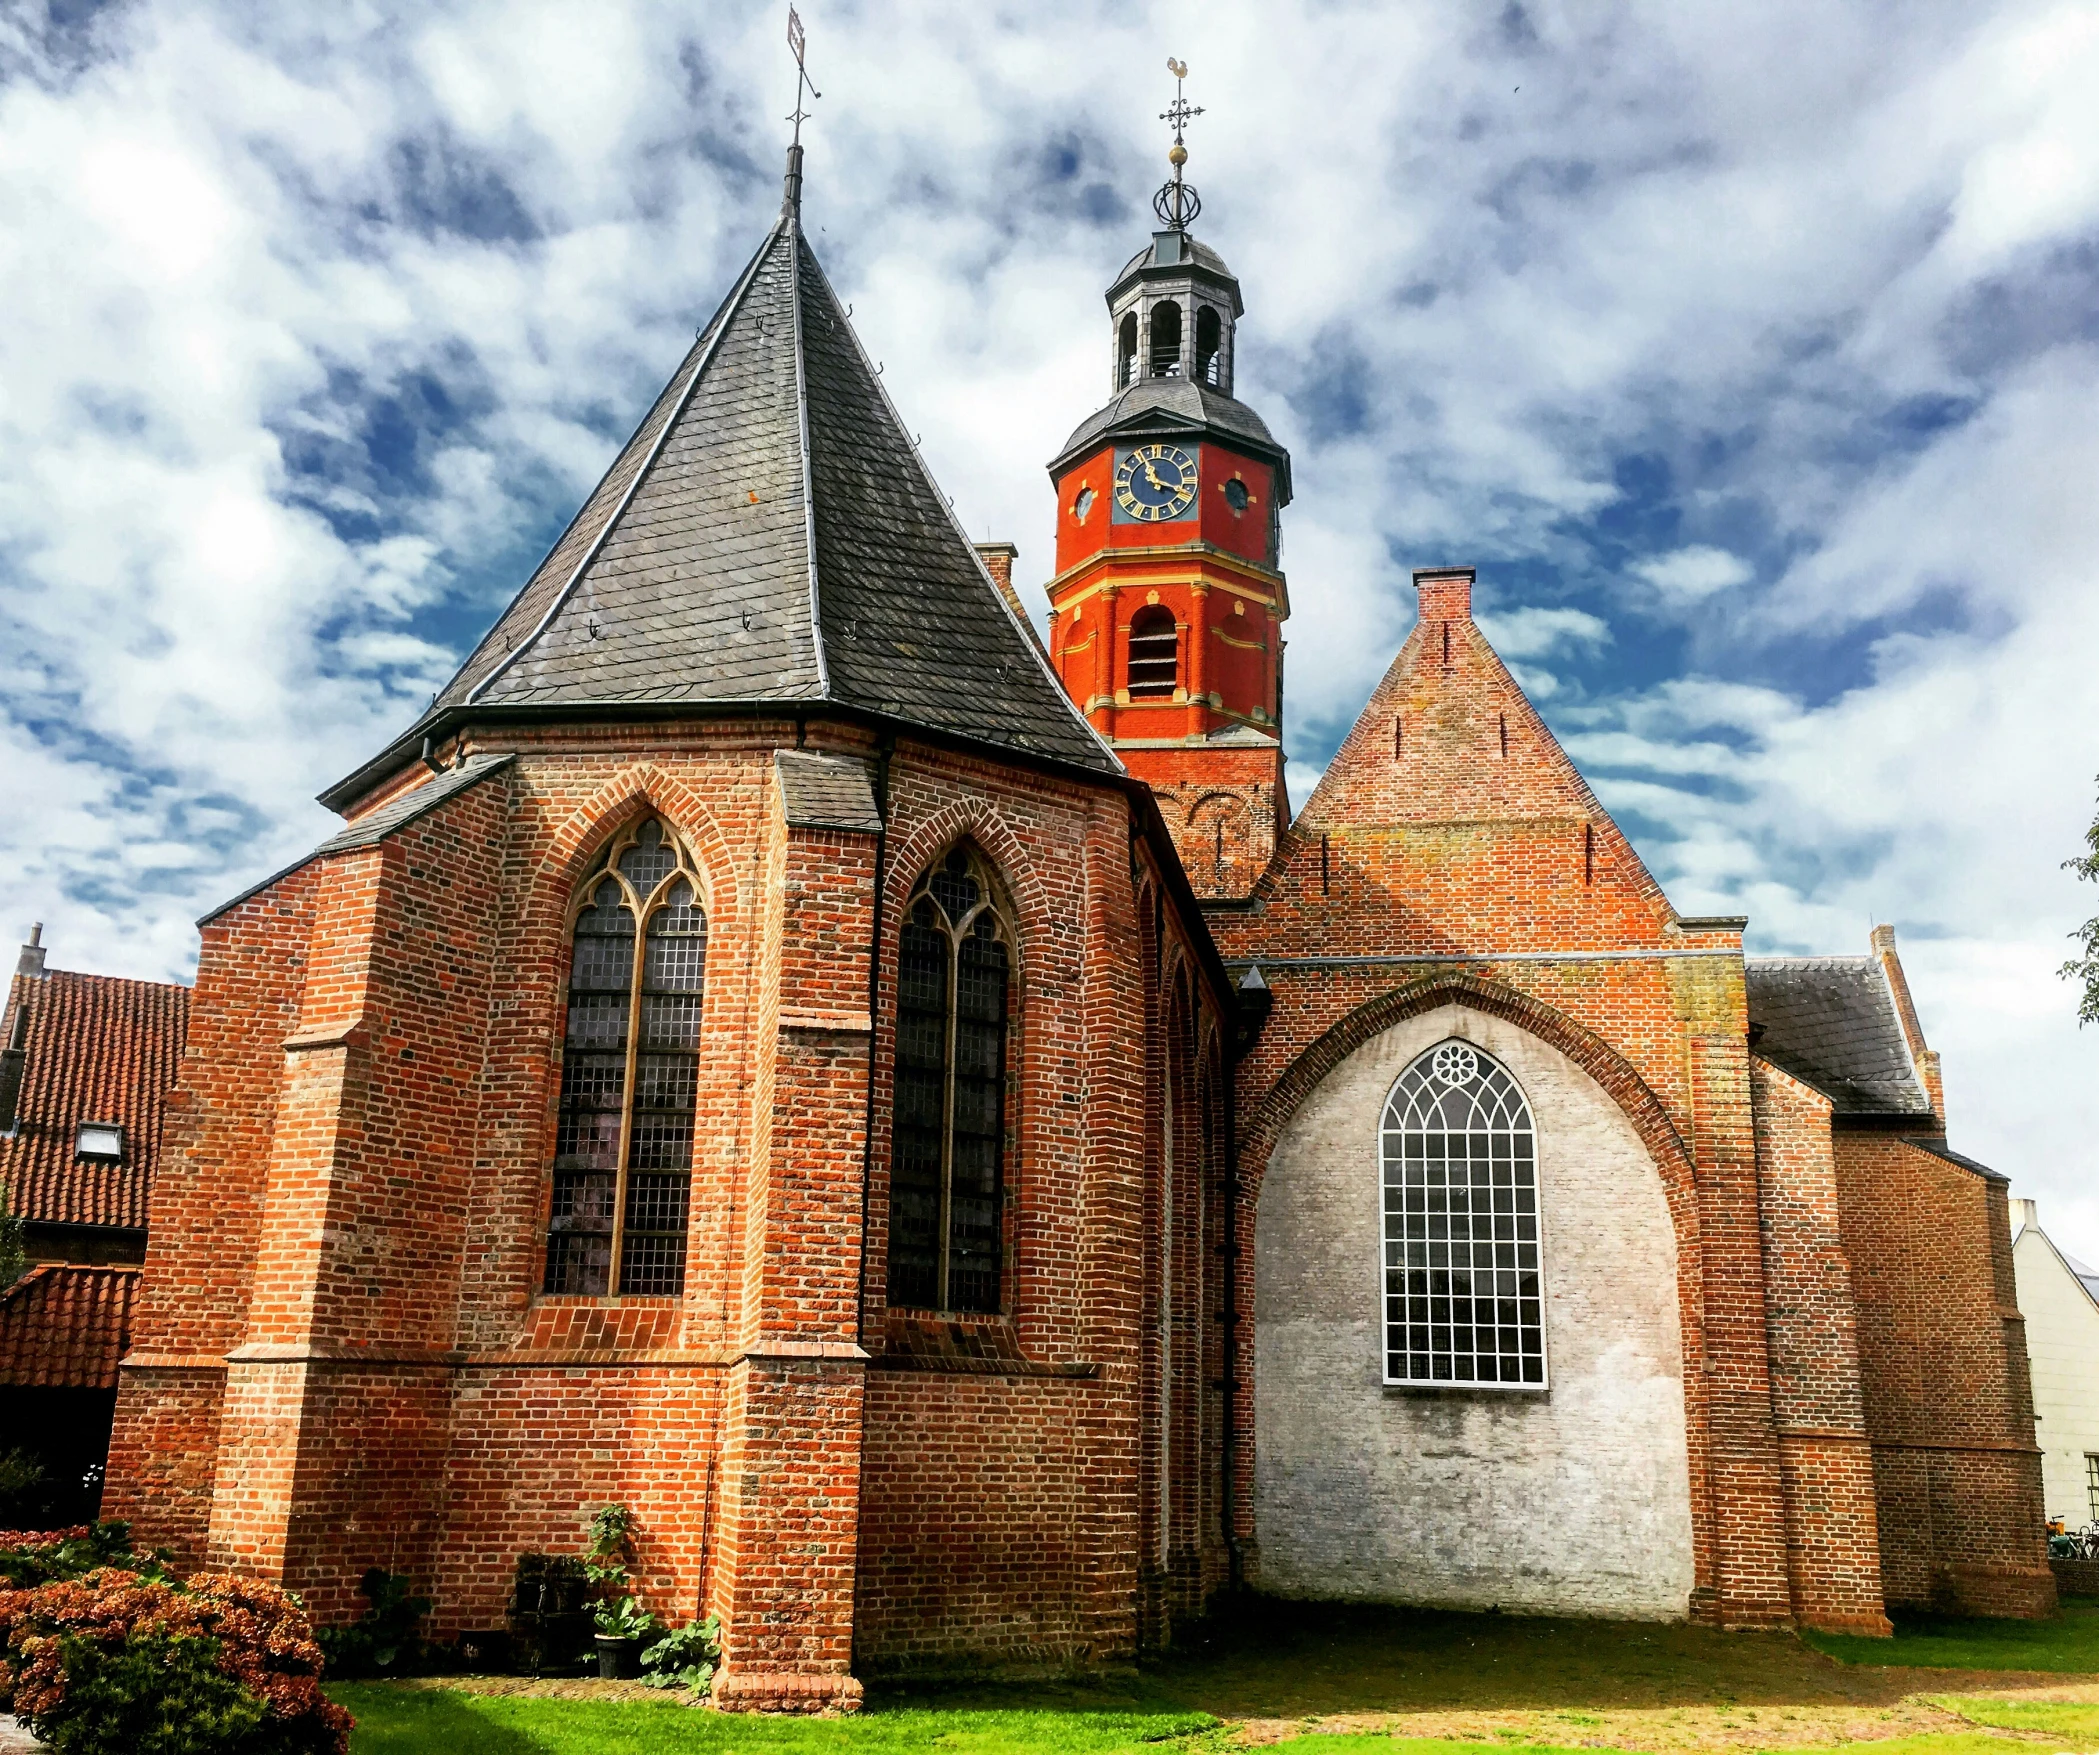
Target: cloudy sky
pixel 1752 353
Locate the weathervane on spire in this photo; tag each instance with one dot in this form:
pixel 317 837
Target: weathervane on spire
pixel 1177 203
pixel 791 199
pixel 796 40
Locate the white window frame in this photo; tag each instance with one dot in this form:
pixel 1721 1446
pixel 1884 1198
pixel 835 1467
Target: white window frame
pixel 1472 1385
pixel 95 1154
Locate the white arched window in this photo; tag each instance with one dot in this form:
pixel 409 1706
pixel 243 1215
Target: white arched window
pixel 1463 1305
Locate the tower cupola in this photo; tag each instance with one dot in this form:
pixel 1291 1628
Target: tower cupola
pixel 1169 599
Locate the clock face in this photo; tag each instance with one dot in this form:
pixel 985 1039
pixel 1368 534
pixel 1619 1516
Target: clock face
pixel 1155 482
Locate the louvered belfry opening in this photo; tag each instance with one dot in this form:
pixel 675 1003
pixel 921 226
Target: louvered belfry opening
pixel 947 1158
pixel 1126 350
pixel 629 1073
pixel 1155 654
pixel 1166 339
pixel 1209 347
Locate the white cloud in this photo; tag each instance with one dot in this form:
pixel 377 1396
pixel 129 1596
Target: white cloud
pixel 1741 348
pixel 1690 575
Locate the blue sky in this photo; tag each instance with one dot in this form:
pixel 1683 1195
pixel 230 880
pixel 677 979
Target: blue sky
pixel 1752 354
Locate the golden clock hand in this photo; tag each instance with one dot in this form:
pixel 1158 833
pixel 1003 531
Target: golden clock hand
pixel 1152 475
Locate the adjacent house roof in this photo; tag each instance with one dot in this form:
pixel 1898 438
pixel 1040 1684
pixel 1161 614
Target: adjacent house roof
pixel 95 1048
pixel 66 1327
pixel 1831 1022
pixel 770 536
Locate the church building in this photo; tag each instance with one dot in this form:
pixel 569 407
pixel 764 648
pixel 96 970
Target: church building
pixel 910 1108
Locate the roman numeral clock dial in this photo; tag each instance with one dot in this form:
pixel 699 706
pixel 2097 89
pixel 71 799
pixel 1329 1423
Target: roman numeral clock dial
pixel 1155 482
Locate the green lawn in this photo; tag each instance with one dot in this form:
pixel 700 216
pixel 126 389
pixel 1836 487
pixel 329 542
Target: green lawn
pixel 1365 1681
pixel 398 1721
pixel 2067 1645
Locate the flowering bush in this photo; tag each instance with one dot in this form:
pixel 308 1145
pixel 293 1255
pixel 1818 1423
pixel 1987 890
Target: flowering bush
pixel 37 1556
pixel 117 1663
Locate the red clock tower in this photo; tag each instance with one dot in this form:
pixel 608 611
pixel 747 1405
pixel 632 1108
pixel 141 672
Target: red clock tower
pixel 1168 603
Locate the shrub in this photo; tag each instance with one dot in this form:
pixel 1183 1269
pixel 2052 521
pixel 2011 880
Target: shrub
pixel 383 1641
pixel 32 1557
pixel 116 1663
pixel 684 1657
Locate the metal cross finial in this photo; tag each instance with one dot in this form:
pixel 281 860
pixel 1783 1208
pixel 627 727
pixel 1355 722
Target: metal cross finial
pixel 1180 110
pixel 796 39
pixel 1177 203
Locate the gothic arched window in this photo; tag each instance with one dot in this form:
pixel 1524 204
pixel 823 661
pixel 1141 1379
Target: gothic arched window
pixel 1155 653
pixel 1462 1274
pixel 629 1071
pixel 948 1127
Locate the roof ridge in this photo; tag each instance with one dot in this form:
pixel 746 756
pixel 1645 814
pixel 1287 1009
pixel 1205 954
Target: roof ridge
pixel 947 509
pixel 792 220
pixel 670 420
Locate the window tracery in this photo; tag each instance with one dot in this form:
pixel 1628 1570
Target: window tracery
pixel 629 1071
pixel 1463 1305
pixel 948 1117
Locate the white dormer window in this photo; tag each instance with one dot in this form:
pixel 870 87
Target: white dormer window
pixel 102 1141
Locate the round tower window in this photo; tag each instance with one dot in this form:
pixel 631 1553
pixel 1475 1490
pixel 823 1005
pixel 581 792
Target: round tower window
pixel 1082 505
pixel 1235 494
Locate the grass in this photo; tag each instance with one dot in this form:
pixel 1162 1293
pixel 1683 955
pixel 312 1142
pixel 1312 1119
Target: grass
pixel 2068 1721
pixel 1409 1682
pixel 2068 1645
pixel 400 1721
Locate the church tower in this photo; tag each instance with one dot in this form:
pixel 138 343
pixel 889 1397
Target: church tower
pixel 1168 602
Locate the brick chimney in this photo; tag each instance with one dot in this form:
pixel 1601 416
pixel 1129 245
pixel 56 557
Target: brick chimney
pixel 31 961
pixel 998 559
pixel 1446 593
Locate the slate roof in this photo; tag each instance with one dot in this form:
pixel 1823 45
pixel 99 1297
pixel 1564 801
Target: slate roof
pixel 827 792
pixel 97 1048
pixel 1831 1022
pixel 374 826
pixel 66 1327
pixel 1159 405
pixel 769 535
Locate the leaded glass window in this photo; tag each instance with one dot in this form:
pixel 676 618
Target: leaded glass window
pixel 1463 1305
pixel 948 1126
pixel 629 1072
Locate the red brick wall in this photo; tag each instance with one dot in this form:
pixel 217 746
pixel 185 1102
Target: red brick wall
pixel 1832 1529
pixel 981 1530
pixel 207 1215
pixel 1948 1401
pixel 371 1094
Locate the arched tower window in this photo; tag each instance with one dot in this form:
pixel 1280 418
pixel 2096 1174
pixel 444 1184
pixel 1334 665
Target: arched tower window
pixel 1126 350
pixel 1166 339
pixel 1155 653
pixel 948 1131
pixel 1463 1304
pixel 629 1072
pixel 1209 347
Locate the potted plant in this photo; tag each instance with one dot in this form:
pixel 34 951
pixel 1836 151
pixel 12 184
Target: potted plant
pixel 622 1625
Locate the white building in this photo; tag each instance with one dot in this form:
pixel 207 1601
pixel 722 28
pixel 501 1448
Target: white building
pixel 2059 1296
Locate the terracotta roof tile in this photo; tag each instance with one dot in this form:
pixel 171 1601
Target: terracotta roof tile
pixel 66 1327
pixel 98 1049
